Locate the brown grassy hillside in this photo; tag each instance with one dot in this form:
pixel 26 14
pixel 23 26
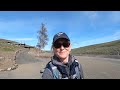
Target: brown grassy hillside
pixel 108 48
pixel 8 51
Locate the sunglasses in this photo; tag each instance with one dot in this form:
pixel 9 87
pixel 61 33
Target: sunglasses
pixel 59 44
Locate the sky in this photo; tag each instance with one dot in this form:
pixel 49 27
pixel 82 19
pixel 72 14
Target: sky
pixel 83 27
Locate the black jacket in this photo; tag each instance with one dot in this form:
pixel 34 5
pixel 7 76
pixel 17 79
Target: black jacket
pixel 70 70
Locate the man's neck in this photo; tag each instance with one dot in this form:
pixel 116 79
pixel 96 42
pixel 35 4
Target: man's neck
pixel 64 60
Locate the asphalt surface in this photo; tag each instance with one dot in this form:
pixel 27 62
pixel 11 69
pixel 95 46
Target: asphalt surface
pixel 24 58
pixel 93 67
pixel 28 67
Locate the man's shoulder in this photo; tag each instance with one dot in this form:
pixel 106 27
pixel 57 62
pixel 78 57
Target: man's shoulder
pixel 48 64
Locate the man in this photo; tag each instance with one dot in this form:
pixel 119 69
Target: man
pixel 63 65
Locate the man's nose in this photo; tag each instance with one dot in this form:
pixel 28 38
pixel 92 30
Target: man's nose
pixel 61 47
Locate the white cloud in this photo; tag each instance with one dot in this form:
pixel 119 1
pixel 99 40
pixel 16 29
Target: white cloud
pixel 75 44
pixel 92 15
pixel 115 16
pixel 114 36
pixel 28 41
pixel 23 39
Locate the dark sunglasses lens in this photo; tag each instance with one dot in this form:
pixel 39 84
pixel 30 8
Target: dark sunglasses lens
pixel 58 45
pixel 66 44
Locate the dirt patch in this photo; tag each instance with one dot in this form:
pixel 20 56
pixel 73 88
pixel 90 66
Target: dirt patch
pixel 8 60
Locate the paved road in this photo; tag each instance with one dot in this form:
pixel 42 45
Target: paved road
pixel 28 67
pixel 100 68
pixel 25 58
pixel 94 67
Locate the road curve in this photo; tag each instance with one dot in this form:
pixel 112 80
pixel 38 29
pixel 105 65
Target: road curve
pixel 28 67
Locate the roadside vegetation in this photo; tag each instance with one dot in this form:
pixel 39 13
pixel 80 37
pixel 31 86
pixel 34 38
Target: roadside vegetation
pixel 108 48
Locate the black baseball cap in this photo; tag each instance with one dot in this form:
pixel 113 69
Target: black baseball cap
pixel 60 35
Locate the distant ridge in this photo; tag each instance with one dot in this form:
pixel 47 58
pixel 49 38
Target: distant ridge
pixel 108 48
pixel 5 40
pixel 11 41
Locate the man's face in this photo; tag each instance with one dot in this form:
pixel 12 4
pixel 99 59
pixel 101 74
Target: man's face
pixel 62 48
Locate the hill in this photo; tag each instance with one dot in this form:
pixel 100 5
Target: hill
pixel 108 48
pixel 8 52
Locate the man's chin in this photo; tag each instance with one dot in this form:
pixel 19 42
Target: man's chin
pixel 63 57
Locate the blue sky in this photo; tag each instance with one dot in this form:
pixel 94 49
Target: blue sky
pixel 83 27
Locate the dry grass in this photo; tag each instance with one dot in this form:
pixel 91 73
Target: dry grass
pixel 7 63
pixel 7 59
pixel 39 54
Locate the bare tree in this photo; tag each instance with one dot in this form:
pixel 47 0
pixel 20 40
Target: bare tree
pixel 42 37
